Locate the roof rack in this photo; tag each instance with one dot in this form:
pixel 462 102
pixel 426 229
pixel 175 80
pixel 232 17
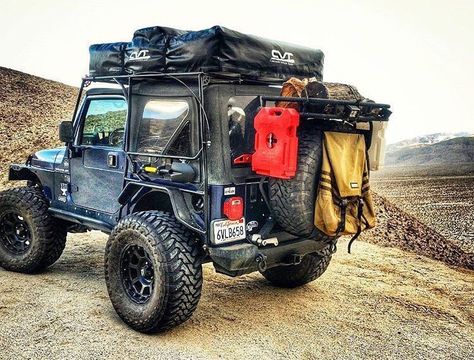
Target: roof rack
pixel 208 77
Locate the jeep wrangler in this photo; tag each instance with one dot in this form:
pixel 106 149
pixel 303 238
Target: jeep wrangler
pixel 162 162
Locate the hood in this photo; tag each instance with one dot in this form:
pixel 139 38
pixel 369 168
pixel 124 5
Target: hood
pixel 48 158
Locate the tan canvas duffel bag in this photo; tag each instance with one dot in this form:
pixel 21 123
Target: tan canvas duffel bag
pixel 344 204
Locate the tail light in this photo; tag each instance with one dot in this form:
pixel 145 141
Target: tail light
pixel 234 208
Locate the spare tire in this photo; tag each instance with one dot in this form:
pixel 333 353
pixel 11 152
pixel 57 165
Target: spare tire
pixel 292 201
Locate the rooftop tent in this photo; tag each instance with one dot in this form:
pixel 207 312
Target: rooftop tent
pixel 222 50
pixel 107 59
pixel 213 50
pixel 147 51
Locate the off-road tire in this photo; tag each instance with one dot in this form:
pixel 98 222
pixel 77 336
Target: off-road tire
pixel 311 267
pixel 176 258
pixel 48 236
pixel 292 201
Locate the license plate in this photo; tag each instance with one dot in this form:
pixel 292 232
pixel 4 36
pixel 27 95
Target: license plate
pixel 229 230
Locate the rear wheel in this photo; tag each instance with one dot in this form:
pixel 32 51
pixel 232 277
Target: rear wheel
pixel 153 271
pixel 311 267
pixel 30 238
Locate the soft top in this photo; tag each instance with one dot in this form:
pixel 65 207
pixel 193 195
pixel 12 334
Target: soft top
pixel 215 50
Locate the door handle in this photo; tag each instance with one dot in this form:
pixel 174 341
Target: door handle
pixel 112 160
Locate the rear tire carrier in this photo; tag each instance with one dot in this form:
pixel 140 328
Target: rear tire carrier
pixel 292 201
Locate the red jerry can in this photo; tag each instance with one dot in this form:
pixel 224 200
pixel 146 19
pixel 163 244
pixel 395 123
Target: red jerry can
pixel 276 143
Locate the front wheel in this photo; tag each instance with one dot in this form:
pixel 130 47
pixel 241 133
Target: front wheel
pixel 30 238
pixel 153 271
pixel 311 267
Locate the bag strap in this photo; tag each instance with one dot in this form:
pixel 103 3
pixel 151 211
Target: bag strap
pixel 342 223
pixel 360 208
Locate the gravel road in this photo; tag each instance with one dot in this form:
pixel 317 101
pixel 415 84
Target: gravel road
pixel 377 303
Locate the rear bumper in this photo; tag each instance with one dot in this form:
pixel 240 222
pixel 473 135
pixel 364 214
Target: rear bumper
pixel 239 259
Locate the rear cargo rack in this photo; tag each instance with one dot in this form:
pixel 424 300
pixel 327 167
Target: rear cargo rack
pixel 336 110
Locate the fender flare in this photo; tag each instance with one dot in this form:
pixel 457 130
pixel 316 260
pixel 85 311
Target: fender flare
pixel 22 172
pixel 180 208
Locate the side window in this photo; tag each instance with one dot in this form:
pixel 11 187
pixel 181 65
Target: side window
pixel 165 127
pixel 104 123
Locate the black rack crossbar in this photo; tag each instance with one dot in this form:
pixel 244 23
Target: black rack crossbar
pixel 337 110
pixel 321 101
pixel 359 118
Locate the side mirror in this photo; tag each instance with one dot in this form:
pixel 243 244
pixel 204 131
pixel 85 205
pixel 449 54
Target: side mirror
pixel 182 172
pixel 66 133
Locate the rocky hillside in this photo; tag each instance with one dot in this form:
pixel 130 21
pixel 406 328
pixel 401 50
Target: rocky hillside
pixel 397 228
pixel 30 110
pixel 456 150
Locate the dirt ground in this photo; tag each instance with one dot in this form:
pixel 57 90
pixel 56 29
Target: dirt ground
pixel 439 196
pixel 377 303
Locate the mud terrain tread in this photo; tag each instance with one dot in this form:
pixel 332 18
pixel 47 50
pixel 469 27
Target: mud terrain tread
pixel 292 201
pixel 311 268
pixel 180 276
pixel 47 234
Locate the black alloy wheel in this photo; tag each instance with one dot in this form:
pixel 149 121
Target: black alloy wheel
pixel 31 239
pixel 138 274
pixel 15 233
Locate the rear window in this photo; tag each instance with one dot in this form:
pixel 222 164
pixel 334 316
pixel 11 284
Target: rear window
pixel 241 111
pixel 165 127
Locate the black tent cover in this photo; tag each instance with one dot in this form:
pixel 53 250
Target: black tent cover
pixel 213 50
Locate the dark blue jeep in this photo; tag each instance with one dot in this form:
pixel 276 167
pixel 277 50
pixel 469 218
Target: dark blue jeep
pixel 161 161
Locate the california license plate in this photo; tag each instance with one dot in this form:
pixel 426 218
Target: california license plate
pixel 229 230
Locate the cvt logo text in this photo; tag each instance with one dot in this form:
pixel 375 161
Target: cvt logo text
pixel 140 55
pixel 285 58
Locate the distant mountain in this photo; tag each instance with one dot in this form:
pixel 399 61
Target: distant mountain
pixel 455 150
pixel 425 140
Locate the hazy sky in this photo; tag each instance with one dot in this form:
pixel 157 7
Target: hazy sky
pixel 416 55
